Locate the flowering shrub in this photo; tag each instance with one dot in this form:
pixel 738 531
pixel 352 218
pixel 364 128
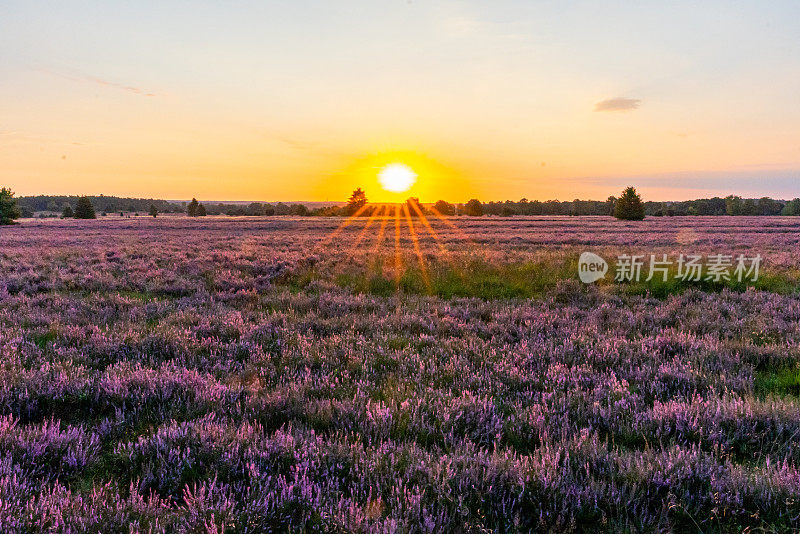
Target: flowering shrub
pixel 182 375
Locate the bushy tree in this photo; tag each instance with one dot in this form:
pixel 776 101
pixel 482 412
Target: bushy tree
pixel 8 207
pixel 356 201
pixel 473 208
pixel 628 206
pixel 191 209
pixel 733 205
pixel 767 206
pixel 84 209
pixel 792 207
pixel 201 210
pixel 749 207
pixel 611 201
pixel 153 211
pixel 300 210
pixel 255 209
pixel 444 208
pixel 67 212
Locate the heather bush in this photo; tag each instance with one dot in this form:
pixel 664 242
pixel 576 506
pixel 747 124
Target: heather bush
pixel 201 375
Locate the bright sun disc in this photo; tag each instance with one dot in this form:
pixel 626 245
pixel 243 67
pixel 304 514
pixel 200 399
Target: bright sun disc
pixel 397 177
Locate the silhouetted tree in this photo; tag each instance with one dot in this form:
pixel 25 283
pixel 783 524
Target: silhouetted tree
pixel 191 209
pixel 153 211
pixel 282 209
pixel 201 210
pixel 67 213
pixel 299 209
pixel 444 208
pixel 414 207
pixel 8 207
pixel 356 201
pixel 507 209
pixel 473 208
pixel 255 208
pixel 629 206
pixel 84 209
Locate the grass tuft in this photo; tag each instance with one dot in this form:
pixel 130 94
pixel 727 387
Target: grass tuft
pixel 780 382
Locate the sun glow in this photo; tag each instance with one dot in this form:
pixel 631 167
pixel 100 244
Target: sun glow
pixel 394 176
pixel 397 177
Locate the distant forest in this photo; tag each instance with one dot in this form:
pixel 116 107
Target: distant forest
pixel 46 205
pixel 108 205
pixel 731 205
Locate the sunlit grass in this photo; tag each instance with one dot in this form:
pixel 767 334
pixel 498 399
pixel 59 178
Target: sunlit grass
pixel 480 278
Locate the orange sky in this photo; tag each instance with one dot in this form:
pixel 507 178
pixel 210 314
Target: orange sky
pixel 307 102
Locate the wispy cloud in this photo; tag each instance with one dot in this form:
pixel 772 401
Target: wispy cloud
pixel 80 77
pixel 618 104
pixel 297 142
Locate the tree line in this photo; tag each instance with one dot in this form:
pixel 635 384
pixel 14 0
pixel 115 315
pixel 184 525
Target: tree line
pixel 60 205
pixel 731 205
pixel 628 206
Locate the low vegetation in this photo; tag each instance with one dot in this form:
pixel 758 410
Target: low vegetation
pixel 204 375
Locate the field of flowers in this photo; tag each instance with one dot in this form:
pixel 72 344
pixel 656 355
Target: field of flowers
pixel 274 374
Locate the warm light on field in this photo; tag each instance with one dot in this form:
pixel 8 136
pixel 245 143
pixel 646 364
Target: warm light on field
pixel 397 177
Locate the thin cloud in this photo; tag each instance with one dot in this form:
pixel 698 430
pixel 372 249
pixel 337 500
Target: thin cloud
pixel 618 104
pixel 78 77
pixel 316 148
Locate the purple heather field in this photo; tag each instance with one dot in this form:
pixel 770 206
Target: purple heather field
pixel 275 374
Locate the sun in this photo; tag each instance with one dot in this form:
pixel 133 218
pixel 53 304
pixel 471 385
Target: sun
pixel 397 177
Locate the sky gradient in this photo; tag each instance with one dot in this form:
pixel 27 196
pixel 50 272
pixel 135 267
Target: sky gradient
pixel 306 100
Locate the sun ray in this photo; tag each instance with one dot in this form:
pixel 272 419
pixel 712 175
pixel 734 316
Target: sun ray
pixel 375 213
pixel 453 226
pixel 415 241
pixel 429 228
pixel 398 259
pixel 347 222
pixel 379 239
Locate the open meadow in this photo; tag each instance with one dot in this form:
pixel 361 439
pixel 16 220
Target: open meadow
pixel 394 375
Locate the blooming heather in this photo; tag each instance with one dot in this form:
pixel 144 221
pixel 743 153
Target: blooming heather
pixel 274 374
